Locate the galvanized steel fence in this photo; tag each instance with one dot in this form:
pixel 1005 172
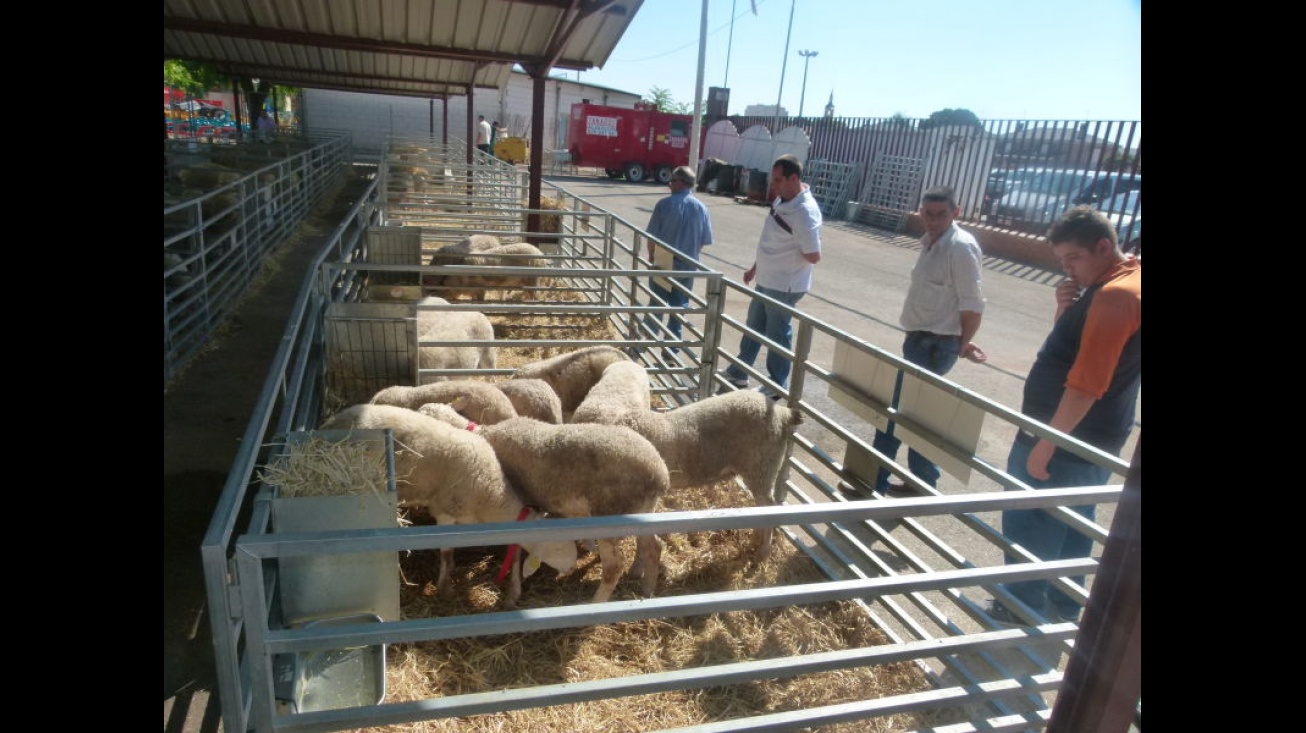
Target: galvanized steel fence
pixel 915 585
pixel 215 243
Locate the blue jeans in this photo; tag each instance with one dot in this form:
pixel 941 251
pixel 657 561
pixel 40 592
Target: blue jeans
pixel 1044 535
pixel 937 354
pixel 679 298
pixel 774 323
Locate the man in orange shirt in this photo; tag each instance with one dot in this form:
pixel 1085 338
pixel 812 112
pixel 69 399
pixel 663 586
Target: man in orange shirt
pixel 1084 382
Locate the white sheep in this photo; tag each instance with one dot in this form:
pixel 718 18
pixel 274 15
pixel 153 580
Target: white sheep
pixel 516 254
pixel 573 373
pixel 622 388
pixel 484 403
pixel 176 273
pixel 456 476
pixel 531 398
pixel 580 470
pixel 453 326
pixel 454 254
pixel 741 433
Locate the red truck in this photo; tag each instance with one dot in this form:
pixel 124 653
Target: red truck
pixel 636 143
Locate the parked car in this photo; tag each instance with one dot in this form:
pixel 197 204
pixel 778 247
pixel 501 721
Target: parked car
pixel 1001 179
pixel 1125 211
pixel 1033 205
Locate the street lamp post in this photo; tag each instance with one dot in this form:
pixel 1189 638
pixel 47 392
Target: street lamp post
pixel 807 57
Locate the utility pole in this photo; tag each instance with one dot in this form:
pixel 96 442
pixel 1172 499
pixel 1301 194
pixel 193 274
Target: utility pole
pixel 784 64
pixel 807 57
pixel 696 128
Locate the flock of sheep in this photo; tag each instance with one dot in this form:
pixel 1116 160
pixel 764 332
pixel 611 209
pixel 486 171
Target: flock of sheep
pixel 485 250
pixel 574 435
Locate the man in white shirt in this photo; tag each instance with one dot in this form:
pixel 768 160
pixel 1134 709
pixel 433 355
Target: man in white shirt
pixel 788 248
pixel 483 135
pixel 940 315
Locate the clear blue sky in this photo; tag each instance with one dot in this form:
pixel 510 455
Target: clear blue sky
pixel 1001 59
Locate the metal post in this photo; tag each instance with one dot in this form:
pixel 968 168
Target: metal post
pixel 807 58
pixel 696 129
pixel 784 64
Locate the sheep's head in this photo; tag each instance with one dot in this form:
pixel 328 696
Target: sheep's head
pixel 560 556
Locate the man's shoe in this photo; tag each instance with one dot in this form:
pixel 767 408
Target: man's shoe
pixel 766 390
pixel 899 490
pixel 1061 615
pixel 731 384
pixel 1003 615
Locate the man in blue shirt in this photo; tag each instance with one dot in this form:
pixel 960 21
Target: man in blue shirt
pixel 681 221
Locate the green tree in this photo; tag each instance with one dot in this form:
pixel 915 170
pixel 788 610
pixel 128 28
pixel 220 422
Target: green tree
pixel 955 117
pixel 660 99
pixel 195 78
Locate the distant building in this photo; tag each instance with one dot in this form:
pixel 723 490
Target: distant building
pixel 765 110
pixel 829 106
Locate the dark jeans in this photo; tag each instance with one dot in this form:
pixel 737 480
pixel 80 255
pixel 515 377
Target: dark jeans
pixel 774 323
pixel 937 354
pixel 1043 534
pixel 678 298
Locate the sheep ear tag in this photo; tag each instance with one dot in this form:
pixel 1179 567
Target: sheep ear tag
pixel 531 564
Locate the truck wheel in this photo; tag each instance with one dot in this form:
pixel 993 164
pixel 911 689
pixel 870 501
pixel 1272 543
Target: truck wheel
pixel 635 172
pixel 613 172
pixel 664 174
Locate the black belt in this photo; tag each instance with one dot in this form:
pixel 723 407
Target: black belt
pixel 935 335
pixel 1025 438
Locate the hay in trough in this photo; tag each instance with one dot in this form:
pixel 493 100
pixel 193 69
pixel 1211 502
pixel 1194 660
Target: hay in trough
pixel 320 467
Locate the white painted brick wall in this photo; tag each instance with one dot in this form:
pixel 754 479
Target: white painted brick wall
pixel 372 118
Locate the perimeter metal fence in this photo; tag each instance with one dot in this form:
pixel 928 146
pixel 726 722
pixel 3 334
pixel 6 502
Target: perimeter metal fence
pixel 1015 174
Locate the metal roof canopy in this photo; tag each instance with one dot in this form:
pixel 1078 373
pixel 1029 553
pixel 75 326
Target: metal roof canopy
pixel 435 48
pixel 420 48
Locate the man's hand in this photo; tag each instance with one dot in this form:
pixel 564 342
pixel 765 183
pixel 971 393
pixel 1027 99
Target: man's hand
pixel 1067 293
pixel 974 353
pixel 749 274
pixel 1039 456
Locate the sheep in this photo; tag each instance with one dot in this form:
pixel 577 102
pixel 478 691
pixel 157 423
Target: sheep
pixel 176 274
pixel 532 398
pixel 453 326
pixel 517 254
pixel 572 374
pixel 580 470
pixel 455 254
pixel 622 388
pixel 740 433
pixel 208 176
pixel 455 475
pixel 485 403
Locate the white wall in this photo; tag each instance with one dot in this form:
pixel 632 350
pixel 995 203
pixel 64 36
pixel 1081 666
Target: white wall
pixel 372 118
